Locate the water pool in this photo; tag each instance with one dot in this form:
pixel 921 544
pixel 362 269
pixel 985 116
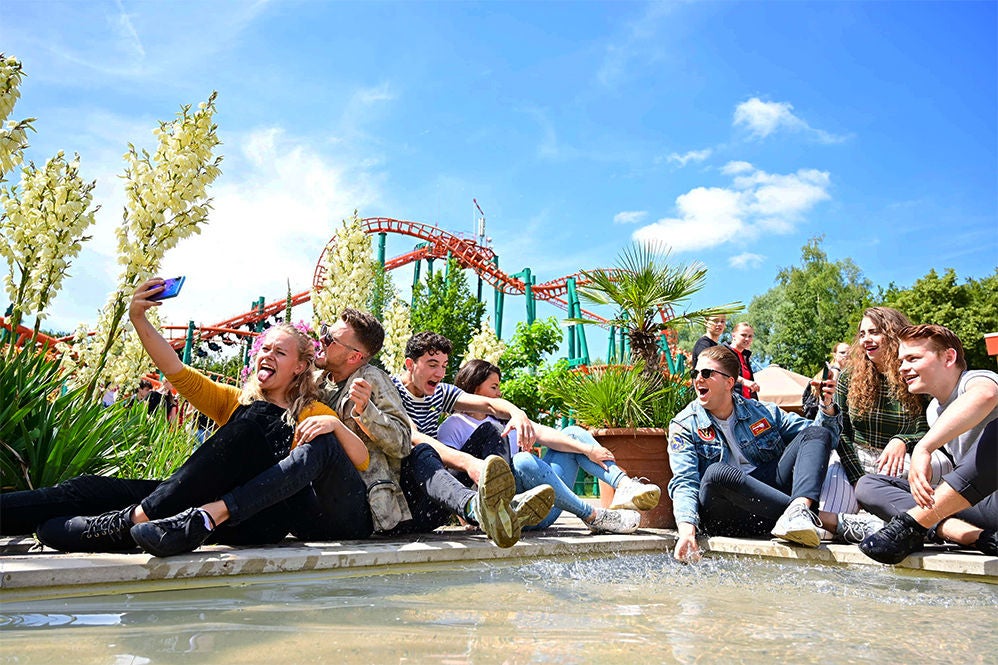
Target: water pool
pixel 628 609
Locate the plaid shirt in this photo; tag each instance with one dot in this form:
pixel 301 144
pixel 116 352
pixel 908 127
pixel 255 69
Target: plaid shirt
pixel 871 432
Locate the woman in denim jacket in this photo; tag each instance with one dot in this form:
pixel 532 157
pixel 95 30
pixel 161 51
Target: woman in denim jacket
pixel 740 466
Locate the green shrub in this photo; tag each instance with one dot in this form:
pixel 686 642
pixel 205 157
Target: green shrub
pixel 49 434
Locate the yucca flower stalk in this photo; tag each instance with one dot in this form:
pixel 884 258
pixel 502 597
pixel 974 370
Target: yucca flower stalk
pixel 398 330
pixel 485 345
pixel 166 201
pixel 13 134
pixel 42 228
pixel 350 273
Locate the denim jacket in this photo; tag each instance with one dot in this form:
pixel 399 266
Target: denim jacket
pixel 696 442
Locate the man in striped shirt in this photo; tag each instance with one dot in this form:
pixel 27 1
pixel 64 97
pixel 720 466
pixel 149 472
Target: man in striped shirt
pixel 426 398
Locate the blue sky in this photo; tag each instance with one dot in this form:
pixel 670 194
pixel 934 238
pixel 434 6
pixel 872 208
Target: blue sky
pixel 732 131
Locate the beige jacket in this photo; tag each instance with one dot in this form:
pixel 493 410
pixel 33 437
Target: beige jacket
pixel 385 429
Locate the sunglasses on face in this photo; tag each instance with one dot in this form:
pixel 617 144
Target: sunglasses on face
pixel 707 373
pixel 326 337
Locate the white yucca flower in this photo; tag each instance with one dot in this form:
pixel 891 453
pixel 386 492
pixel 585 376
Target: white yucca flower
pixel 398 330
pixel 350 270
pixel 13 135
pixel 43 227
pixel 485 345
pixel 165 202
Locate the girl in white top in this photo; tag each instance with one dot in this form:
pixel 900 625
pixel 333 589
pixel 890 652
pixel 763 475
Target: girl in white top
pixel 568 450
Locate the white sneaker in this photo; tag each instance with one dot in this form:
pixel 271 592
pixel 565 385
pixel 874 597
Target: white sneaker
pixel 633 494
pixel 855 528
pixel 615 521
pixel 798 525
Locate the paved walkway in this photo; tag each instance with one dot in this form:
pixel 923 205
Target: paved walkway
pixel 28 571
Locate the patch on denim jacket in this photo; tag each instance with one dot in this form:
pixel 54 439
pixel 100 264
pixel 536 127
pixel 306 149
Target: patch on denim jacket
pixel 677 443
pixel 760 426
pixel 707 434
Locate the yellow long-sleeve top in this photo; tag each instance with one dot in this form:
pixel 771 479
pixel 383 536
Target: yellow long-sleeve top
pixel 218 401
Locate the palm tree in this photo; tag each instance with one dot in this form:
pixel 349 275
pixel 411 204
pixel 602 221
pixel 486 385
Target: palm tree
pixel 646 290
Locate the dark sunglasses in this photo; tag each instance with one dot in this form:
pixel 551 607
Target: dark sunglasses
pixel 707 373
pixel 326 337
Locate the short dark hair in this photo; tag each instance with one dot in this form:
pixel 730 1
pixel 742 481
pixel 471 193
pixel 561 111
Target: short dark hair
pixel 366 328
pixel 474 373
pixel 427 342
pixel 725 357
pixel 145 384
pixel 939 338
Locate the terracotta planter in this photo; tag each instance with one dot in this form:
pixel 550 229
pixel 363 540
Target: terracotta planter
pixel 642 452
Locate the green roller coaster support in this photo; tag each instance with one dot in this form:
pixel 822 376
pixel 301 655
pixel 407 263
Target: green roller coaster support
pixel 528 290
pixel 611 347
pixel 382 239
pixel 677 363
pixel 429 266
pixel 578 349
pixel 498 298
pixel 189 343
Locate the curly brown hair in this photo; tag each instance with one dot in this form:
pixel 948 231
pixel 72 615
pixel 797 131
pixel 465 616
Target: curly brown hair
pixel 866 380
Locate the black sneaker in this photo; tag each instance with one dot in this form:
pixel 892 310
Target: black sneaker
pixel 107 532
pixel 184 532
pixel 987 542
pixel 902 536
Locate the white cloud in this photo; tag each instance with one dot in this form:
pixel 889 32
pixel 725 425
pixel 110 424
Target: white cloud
pixel 764 118
pixel 756 202
pixel 746 260
pixel 691 156
pixel 629 217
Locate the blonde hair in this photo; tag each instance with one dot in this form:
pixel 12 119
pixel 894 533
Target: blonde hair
pixel 302 390
pixel 866 380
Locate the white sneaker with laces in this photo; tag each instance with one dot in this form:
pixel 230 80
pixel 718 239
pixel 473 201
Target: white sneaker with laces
pixel 798 525
pixel 855 528
pixel 632 494
pixel 615 521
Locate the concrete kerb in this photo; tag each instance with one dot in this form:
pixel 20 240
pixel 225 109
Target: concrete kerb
pixel 29 572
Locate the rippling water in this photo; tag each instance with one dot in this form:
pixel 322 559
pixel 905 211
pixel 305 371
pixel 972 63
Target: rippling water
pixel 630 609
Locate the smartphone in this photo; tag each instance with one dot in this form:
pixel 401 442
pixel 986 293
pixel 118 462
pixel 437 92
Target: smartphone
pixel 826 372
pixel 171 288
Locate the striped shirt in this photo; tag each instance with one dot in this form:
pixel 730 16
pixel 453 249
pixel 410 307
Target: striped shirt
pixel 871 432
pixel 426 412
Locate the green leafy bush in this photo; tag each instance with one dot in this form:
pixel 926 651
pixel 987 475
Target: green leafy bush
pixel 49 434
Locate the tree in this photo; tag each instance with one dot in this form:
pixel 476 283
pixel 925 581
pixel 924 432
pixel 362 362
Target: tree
pixel 969 309
pixel 643 286
pixel 445 305
pixel 813 306
pixel 526 372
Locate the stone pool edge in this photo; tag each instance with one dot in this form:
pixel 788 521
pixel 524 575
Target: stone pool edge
pixel 28 571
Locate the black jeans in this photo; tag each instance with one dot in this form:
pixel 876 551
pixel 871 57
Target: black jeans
pixel 975 478
pixel 432 492
pixel 240 450
pixel 21 512
pixel 733 503
pixel 325 493
pixel 484 441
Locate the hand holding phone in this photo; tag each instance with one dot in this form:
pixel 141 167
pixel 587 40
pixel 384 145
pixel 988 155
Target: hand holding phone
pixel 826 372
pixel 171 288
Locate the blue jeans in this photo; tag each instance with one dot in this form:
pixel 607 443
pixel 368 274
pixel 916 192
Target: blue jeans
pixel 559 470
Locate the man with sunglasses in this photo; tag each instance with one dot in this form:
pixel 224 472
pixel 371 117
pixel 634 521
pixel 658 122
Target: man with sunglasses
pixel 745 468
